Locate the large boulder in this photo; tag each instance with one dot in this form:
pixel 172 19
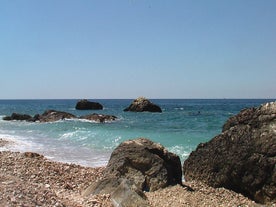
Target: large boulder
pixel 88 105
pixel 53 115
pixel 149 165
pixel 145 163
pixel 142 104
pixel 101 118
pixel 242 158
pixel 136 166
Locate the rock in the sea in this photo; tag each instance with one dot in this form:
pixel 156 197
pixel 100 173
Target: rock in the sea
pixel 142 104
pixel 101 118
pixel 242 158
pixel 53 115
pixel 88 105
pixel 19 117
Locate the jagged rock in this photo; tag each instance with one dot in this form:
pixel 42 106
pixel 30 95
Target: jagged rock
pixel 149 165
pixel 16 116
pixel 145 163
pixel 136 166
pixel 88 105
pixel 99 117
pixel 142 104
pixel 242 158
pixel 53 115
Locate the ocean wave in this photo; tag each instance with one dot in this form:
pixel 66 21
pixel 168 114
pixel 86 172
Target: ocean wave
pixel 19 143
pixel 181 151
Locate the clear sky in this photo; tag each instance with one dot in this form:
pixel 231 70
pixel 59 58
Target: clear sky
pixel 130 48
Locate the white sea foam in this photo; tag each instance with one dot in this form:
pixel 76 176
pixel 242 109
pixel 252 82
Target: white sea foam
pixel 19 143
pixel 56 150
pixel 181 151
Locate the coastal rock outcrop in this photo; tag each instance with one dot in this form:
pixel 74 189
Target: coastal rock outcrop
pixel 101 118
pixel 47 116
pixel 242 158
pixel 142 104
pixel 144 164
pixel 53 115
pixel 88 105
pixel 18 117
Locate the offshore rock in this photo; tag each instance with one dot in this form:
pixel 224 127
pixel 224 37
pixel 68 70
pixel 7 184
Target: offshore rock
pixel 242 158
pixel 142 104
pixel 53 115
pixel 18 117
pixel 101 118
pixel 47 116
pixel 88 105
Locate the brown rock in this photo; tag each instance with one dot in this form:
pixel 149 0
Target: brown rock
pixel 53 115
pixel 142 104
pixel 99 117
pixel 31 154
pixel 136 166
pixel 145 163
pixel 242 158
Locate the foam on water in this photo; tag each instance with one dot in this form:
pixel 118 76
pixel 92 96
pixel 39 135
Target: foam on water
pixel 59 151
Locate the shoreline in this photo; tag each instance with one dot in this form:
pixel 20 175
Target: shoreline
pixel 84 157
pixel 30 179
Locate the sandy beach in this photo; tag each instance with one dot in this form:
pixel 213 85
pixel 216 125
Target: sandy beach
pixel 29 179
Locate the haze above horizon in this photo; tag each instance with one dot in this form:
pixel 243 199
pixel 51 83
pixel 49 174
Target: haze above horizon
pixel 95 49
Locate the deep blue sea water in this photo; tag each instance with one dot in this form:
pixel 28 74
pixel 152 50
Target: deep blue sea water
pixel 183 124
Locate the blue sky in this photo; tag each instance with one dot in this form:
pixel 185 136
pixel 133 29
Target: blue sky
pixel 131 48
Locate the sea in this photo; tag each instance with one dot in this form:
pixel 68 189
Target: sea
pixel 183 124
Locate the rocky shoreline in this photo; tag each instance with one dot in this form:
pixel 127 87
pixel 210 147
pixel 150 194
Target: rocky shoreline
pixel 29 179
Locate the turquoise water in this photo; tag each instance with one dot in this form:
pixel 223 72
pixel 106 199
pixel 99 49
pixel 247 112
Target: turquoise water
pixel 183 124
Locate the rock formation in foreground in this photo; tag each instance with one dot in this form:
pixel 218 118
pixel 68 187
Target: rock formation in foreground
pixel 142 104
pixel 242 158
pixel 88 105
pixel 141 165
